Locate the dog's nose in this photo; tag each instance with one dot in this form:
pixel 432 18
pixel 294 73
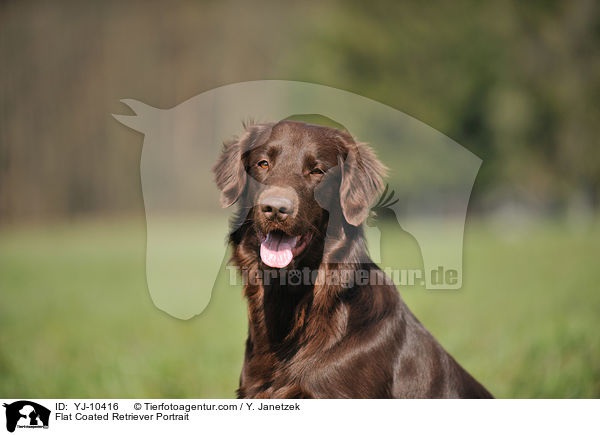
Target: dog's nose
pixel 276 207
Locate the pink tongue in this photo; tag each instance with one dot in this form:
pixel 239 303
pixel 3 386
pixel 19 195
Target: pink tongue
pixel 276 249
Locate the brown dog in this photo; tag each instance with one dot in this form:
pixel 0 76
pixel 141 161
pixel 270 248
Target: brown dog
pixel 303 192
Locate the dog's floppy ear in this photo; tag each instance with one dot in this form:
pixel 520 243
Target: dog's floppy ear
pixel 230 173
pixel 230 170
pixel 361 180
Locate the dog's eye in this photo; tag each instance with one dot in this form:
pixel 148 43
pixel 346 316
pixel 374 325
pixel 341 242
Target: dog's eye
pixel 263 164
pixel 317 171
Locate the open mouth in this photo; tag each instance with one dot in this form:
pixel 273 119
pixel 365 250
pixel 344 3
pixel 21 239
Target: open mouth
pixel 278 249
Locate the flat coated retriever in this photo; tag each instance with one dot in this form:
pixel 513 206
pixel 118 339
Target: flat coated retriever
pixel 303 192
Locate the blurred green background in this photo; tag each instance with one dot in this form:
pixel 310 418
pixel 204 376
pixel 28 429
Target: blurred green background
pixel 516 83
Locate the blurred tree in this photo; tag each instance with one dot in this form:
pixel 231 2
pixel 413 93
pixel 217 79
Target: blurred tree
pixel 516 83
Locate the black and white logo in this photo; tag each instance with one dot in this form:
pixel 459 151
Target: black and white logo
pixel 25 414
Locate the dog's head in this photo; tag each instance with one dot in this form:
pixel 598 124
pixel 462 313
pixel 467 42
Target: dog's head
pixel 293 178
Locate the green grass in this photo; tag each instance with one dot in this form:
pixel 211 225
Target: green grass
pixel 76 319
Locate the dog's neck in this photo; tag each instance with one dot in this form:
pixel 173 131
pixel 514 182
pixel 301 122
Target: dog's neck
pixel 281 301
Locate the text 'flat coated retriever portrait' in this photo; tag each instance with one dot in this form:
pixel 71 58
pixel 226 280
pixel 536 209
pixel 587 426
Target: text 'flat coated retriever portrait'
pixel 303 192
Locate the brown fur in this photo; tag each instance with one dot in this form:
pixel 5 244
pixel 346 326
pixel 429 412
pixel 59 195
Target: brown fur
pixel 325 340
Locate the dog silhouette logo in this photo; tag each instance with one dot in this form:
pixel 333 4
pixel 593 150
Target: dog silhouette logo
pixel 26 414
